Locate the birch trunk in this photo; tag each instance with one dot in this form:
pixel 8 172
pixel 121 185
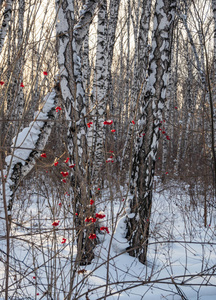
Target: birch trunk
pixel 112 24
pixel 141 70
pixel 20 64
pixel 128 11
pixel 173 115
pixel 5 23
pixel 70 44
pixel 99 92
pixel 143 169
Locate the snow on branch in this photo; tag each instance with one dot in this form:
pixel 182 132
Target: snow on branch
pixel 27 146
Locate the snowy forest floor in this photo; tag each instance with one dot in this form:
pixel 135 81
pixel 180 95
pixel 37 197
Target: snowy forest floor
pixel 181 253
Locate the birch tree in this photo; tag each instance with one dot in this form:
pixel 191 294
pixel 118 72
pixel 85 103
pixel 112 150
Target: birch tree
pixel 141 60
pixel 102 97
pixel 96 132
pixel 111 38
pixel 70 41
pixel 151 117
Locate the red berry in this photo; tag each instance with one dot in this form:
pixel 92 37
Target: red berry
pixel 56 223
pixel 63 240
pixel 64 174
pixel 108 122
pixel 92 236
pixel 72 166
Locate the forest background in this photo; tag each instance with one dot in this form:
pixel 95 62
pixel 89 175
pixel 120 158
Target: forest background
pixel 107 116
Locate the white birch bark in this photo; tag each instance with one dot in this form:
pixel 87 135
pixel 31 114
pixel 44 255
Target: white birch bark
pixel 127 61
pixel 27 147
pixel 5 23
pixel 86 69
pixel 173 114
pixel 99 92
pixel 70 44
pixel 102 87
pixel 141 69
pixel 136 26
pixel 147 146
pixel 20 61
pixel 112 24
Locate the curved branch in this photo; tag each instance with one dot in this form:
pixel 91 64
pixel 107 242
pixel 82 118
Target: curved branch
pixel 28 145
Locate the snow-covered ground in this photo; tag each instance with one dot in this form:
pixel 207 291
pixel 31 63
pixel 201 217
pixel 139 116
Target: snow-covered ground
pixel 181 253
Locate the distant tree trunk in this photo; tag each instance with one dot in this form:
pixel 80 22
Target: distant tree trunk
pixel 187 110
pixel 141 69
pixel 112 24
pixel 136 23
pixel 184 18
pixel 166 126
pixel 213 99
pixel 189 103
pixel 6 20
pixel 15 93
pixel 102 96
pixel 143 170
pixel 86 70
pixel 128 11
pixel 169 109
pixel 99 93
